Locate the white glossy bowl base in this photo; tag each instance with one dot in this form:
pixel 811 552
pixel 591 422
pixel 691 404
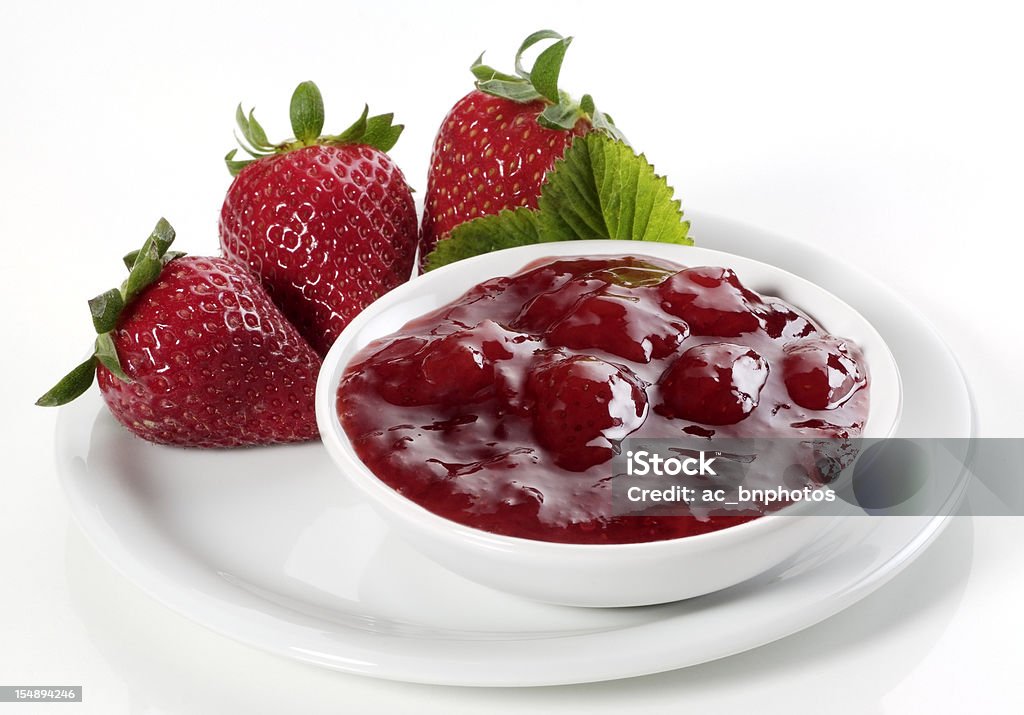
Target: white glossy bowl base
pixel 588 574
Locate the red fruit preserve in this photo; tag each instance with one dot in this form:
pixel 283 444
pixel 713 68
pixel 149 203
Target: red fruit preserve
pixel 503 409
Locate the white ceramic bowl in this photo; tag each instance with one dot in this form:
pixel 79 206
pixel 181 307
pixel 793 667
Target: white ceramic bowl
pixel 595 574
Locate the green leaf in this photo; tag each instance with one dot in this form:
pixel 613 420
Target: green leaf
pixel 243 124
pixel 559 116
pixel 71 385
pixel 258 136
pixel 483 235
pixel 544 74
pixel 106 309
pixel 538 36
pixel 307 113
pixel 307 119
pixel 354 132
pixel 130 257
pixel 381 133
pixel 377 131
pixel 148 261
pixel 515 90
pixel 106 353
pixel 163 235
pixel 603 123
pixel 485 72
pixel 602 189
pixel 144 271
pixel 235 166
pixel 539 83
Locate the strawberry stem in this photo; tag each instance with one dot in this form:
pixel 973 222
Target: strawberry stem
pixel 540 83
pixel 306 113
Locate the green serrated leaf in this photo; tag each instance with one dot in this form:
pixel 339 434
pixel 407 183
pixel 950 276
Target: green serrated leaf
pixel 602 189
pixel 544 74
pixel 533 39
pixel 488 233
pixel 307 112
pixel 71 385
pixel 106 309
pixel 106 353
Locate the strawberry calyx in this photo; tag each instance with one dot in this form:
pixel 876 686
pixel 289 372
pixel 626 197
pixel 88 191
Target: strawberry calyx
pixel 307 119
pixel 540 83
pixel 144 267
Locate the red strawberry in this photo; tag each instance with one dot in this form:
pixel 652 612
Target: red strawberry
pixel 714 383
pixel 191 351
pixel 712 301
pixel 327 222
pixel 583 407
pixel 447 370
pixel 498 142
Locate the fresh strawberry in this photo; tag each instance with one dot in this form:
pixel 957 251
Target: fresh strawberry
pixel 327 222
pixel 191 351
pixel 498 142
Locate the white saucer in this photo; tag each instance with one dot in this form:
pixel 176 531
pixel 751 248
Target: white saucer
pixel 269 547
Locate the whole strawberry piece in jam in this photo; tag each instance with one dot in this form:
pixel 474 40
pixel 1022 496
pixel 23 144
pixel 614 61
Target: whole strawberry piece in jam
pixel 612 323
pixel 498 142
pixel 327 222
pixel 583 407
pixel 447 370
pixel 459 367
pixel 715 384
pixel 191 351
pixel 822 373
pixel 547 308
pixel 783 321
pixel 712 301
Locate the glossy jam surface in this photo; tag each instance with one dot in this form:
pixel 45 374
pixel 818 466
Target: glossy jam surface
pixel 503 409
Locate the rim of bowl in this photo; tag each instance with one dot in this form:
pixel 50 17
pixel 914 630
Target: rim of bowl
pixel 340 449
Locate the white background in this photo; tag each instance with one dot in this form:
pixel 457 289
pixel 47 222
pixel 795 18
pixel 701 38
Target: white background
pixel 888 133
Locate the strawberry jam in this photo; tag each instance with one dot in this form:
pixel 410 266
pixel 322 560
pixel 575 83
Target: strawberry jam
pixel 503 409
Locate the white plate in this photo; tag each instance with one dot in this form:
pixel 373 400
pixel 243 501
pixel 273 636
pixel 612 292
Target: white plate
pixel 271 548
